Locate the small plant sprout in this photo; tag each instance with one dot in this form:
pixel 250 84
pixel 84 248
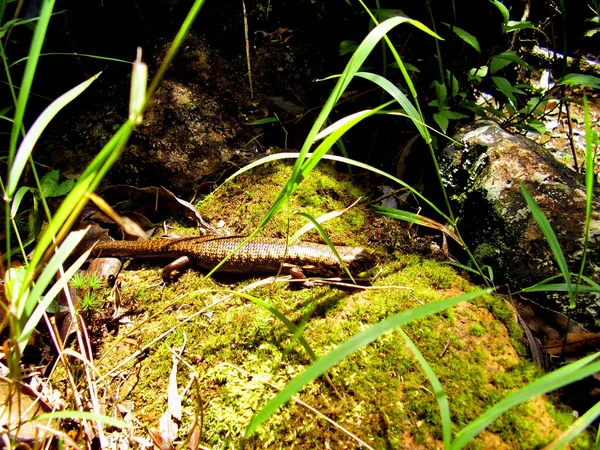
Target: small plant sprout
pixel 83 281
pixel 90 301
pixel 79 281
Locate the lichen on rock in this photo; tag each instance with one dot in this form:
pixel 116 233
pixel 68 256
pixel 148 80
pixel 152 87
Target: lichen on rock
pixel 483 177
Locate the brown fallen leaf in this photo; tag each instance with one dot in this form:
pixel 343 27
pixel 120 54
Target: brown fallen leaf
pixel 19 404
pixel 557 333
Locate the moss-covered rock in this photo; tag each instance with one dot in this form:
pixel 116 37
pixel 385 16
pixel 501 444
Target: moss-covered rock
pixel 238 354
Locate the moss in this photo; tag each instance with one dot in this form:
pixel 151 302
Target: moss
pixel 476 330
pixel 241 354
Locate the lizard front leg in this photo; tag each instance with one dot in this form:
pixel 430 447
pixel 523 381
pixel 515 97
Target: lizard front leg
pixel 179 264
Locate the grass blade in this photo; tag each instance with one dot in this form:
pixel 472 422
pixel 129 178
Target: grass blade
pixel 548 233
pixel 293 329
pixel 321 219
pixel 84 415
pixel 36 130
pixel 350 346
pixel 558 287
pixel 417 219
pixel 576 428
pixel 353 66
pixel 440 394
pixel 325 237
pixel 293 155
pixel 549 382
pixel 402 99
pixel 27 81
pixel 38 304
pixel 589 182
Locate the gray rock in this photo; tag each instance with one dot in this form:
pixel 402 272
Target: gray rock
pixel 483 179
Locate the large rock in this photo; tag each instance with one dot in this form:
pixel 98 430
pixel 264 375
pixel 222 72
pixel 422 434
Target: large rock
pixel 483 178
pixel 194 125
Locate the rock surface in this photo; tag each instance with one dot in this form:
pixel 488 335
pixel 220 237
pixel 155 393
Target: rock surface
pixel 484 178
pixel 193 126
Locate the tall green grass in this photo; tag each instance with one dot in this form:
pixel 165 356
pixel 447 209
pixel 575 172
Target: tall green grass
pixel 31 288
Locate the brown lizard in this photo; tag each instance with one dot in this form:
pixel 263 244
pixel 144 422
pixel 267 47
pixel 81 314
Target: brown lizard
pixel 256 256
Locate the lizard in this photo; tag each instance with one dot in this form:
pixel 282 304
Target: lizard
pixel 259 255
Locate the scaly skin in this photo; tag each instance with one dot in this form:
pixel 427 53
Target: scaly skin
pixel 256 256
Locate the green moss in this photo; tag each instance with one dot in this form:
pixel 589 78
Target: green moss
pixel 476 330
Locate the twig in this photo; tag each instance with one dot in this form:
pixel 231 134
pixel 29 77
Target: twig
pixel 571 140
pixel 247 48
pixel 445 349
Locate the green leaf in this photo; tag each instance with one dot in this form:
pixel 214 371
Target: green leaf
pixel 490 275
pixel 443 117
pixel 591 285
pixel 36 304
pixel 578 79
pixel 408 66
pixel 14 207
pixel 536 105
pixel 452 82
pixel 64 188
pixel 442 121
pixel 348 47
pixel 501 60
pixel 503 10
pixel 352 345
pixel 386 13
pixel 465 36
pixel 506 88
pixel 513 25
pixel 50 186
pixel 497 64
pixel 512 56
pixel 441 93
pixel 25 90
pixel 534 127
pixel 416 219
pixel 263 121
pixel 327 240
pixel 537 126
pixel 453 115
pixel 558 287
pixel 477 73
pixel 49 183
pixel 400 97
